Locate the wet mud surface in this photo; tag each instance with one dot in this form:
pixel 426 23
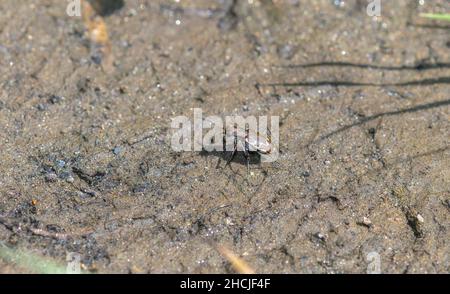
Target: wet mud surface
pixel 86 163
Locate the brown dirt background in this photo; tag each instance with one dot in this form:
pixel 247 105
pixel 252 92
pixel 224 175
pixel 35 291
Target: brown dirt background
pixel 365 113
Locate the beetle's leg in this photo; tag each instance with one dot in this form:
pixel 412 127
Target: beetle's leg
pixel 234 146
pixel 224 138
pixel 224 146
pixel 247 157
pixel 233 154
pixel 247 148
pixel 218 163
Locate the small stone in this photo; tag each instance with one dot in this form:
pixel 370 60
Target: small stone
pixel 41 107
pixel 117 150
pixel 51 177
pixel 54 99
pixel 96 58
pixel 320 236
pixel 286 51
pixel 420 218
pixel 229 222
pixel 84 193
pixel 339 3
pixel 61 163
pixel 141 188
pixel 367 222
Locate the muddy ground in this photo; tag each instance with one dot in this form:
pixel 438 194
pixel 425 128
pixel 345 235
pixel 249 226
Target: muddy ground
pixel 86 164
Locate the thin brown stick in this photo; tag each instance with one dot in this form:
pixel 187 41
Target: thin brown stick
pixel 59 236
pixel 238 264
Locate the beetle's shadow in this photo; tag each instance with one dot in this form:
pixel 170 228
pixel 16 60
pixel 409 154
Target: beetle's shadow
pixel 224 156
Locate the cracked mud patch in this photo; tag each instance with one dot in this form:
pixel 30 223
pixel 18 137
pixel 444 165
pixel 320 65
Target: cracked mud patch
pixel 86 164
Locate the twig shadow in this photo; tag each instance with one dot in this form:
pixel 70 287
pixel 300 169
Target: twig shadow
pixel 364 120
pixel 423 82
pixel 421 66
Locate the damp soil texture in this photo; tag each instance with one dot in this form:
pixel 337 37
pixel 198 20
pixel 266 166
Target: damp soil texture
pixel 86 163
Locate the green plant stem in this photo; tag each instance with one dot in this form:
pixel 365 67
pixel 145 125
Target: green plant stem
pixel 436 16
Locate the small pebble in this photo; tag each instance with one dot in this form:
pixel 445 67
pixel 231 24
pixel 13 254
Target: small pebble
pixel 61 163
pixel 41 107
pixel 420 218
pixel 320 236
pixel 85 193
pixel 286 51
pixel 96 58
pixel 54 99
pixel 117 150
pixel 367 222
pixel 51 177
